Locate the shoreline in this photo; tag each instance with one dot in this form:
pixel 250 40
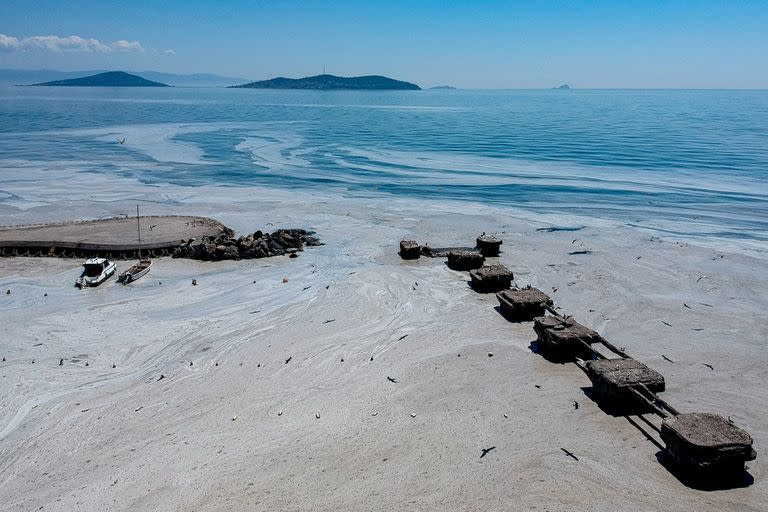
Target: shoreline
pixel 165 199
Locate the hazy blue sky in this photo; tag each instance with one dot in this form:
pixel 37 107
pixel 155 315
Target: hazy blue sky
pixel 490 44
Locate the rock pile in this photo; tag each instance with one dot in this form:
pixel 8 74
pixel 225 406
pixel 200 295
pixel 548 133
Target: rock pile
pixel 256 245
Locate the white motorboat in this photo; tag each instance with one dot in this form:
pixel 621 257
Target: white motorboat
pixel 95 272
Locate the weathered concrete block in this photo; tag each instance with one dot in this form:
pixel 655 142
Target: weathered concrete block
pixel 491 278
pixel 465 260
pixel 613 379
pixel 563 337
pixel 488 245
pixel 523 305
pixel 706 444
pixel 409 250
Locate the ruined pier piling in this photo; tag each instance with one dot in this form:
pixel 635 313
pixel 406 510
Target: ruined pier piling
pixel 614 382
pixel 465 260
pixel 488 245
pixel 491 278
pixel 409 250
pixel 706 446
pixel 523 304
pixel 563 338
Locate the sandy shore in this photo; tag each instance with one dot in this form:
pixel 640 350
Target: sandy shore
pixel 232 426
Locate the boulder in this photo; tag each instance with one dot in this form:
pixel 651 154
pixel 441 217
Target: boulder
pixel 230 253
pixel 274 246
pixel 205 250
pixel 182 251
pixel 245 243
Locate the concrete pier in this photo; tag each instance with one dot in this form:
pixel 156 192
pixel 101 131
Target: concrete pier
pixel 112 238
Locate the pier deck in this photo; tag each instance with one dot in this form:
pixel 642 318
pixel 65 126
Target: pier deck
pixel 115 238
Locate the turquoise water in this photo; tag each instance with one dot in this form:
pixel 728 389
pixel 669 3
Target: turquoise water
pixel 690 163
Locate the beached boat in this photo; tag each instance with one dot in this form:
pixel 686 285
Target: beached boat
pixel 142 266
pixel 95 272
pixel 136 271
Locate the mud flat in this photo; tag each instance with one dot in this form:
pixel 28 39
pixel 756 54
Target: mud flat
pixel 115 237
pixel 275 390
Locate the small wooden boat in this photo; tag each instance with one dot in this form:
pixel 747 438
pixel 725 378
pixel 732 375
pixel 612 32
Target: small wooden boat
pixel 136 271
pixel 141 267
pixel 95 272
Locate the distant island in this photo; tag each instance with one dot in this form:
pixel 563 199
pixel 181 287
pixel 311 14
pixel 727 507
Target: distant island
pixel 332 82
pixel 109 79
pixel 564 87
pixel 34 76
pixel 442 88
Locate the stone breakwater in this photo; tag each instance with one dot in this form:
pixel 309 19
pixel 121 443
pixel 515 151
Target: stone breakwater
pixel 226 246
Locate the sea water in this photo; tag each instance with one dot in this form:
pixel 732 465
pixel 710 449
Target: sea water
pixel 684 163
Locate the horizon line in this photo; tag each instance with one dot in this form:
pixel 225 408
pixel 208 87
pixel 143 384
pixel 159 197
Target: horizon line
pixel 424 88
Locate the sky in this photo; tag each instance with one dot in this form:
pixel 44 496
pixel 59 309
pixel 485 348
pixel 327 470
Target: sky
pixel 467 44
